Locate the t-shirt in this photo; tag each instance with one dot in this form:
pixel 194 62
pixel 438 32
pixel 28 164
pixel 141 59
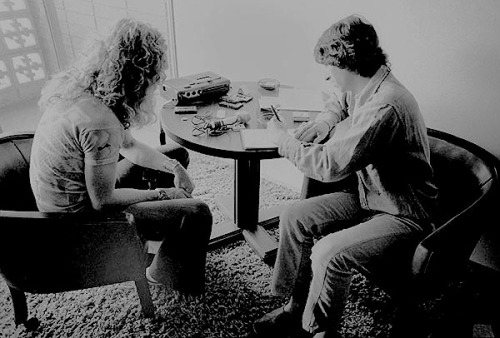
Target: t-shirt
pixel 68 136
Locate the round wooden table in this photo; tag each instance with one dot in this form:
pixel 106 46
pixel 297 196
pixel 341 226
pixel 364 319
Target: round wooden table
pixel 243 207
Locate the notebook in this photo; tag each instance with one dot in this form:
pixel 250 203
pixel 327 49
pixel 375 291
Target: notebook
pixel 256 139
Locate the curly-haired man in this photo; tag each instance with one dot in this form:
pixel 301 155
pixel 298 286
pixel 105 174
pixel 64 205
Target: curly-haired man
pixel 85 159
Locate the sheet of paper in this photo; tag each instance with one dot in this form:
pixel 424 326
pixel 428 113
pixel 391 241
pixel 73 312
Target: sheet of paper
pixel 259 138
pixel 295 100
pixel 256 139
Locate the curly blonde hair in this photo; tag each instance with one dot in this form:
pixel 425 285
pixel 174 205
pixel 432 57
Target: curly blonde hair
pixel 119 70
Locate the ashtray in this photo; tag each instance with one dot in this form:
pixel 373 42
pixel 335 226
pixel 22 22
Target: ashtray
pixel 269 84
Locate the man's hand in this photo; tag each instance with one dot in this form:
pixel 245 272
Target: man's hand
pixel 313 131
pixel 173 193
pixel 275 129
pixel 182 179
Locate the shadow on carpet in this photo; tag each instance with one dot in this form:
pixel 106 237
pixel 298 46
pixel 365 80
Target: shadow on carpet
pixel 237 289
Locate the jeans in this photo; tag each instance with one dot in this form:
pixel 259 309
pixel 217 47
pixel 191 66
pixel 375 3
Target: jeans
pixel 324 239
pixel 183 225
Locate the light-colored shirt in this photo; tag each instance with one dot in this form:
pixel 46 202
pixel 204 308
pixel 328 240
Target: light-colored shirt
pixel 68 136
pixel 379 135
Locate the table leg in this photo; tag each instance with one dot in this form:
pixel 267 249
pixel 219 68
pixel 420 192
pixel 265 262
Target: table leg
pixel 246 197
pixel 246 208
pixel 243 209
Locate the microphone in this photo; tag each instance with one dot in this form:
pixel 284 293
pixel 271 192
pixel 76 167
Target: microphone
pixel 242 117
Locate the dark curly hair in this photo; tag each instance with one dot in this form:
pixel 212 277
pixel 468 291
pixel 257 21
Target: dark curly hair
pixel 351 44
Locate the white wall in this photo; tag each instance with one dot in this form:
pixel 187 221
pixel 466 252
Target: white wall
pixel 447 52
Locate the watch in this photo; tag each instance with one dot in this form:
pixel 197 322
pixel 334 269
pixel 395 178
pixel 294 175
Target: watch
pixel 162 194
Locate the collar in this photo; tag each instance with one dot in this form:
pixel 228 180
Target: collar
pixel 372 86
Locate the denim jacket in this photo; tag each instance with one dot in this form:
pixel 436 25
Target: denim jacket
pixel 380 136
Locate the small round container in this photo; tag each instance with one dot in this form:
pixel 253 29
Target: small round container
pixel 269 84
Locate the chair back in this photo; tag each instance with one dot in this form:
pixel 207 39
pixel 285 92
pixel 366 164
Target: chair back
pixel 467 179
pixel 463 172
pixel 15 189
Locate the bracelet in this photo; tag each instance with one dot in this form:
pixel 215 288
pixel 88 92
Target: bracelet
pixel 162 194
pixel 171 164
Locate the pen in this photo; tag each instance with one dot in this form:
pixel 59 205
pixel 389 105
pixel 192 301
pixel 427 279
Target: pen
pixel 273 109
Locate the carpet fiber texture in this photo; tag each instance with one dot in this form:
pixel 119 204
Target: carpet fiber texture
pixel 237 289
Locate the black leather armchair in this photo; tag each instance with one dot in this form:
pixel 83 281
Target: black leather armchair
pixel 467 178
pixel 56 252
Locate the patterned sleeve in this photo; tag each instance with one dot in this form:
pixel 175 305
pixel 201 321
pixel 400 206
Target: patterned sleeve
pixel 101 146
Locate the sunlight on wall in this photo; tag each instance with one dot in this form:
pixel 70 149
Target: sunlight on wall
pixel 40 37
pixel 74 22
pixel 22 68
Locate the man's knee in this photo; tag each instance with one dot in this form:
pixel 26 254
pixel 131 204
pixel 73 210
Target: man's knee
pixel 288 216
pixel 294 214
pixel 296 219
pixel 183 157
pixel 203 211
pixel 331 251
pixel 202 216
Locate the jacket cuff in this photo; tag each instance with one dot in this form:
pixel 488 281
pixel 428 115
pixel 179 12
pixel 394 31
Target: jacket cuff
pixel 287 145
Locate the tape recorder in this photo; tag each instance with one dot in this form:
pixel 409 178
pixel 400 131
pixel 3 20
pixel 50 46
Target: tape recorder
pixel 206 86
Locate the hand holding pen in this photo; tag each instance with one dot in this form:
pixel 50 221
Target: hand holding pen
pixel 275 126
pixel 275 112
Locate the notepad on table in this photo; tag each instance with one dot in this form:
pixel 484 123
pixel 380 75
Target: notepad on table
pixel 256 139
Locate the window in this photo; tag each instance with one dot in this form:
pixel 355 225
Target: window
pixel 40 37
pixel 22 66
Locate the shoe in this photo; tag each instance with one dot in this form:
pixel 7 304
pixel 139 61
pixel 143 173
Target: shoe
pixel 150 279
pixel 278 323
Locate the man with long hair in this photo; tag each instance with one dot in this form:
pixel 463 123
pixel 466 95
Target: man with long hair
pixel 85 159
pixel 371 134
